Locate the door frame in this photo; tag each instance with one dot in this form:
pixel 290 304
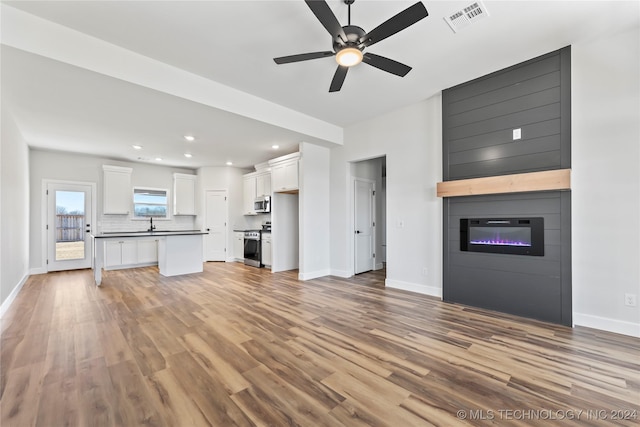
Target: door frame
pixel 349 225
pixel 224 191
pixel 353 221
pixel 44 217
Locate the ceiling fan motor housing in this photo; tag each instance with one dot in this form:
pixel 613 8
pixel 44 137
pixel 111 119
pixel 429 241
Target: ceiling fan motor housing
pixel 354 33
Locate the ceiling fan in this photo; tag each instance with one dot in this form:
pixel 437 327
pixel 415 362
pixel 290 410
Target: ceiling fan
pixel 349 41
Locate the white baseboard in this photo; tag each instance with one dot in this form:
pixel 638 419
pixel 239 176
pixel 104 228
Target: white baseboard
pixel 128 266
pixel 38 270
pixel 313 274
pixel 414 287
pixel 12 296
pixel 379 266
pixel 607 324
pixel 341 273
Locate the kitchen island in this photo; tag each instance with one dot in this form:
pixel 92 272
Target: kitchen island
pixel 179 252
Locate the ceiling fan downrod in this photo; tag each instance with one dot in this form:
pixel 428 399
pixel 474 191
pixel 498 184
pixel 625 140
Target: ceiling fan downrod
pixel 349 3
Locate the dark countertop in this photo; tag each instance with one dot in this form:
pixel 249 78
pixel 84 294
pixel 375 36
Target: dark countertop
pixel 121 234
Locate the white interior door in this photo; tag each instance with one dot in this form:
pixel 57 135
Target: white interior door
pixel 69 218
pixel 364 225
pixel 215 243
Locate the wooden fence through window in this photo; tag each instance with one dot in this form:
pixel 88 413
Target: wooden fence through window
pixel 69 228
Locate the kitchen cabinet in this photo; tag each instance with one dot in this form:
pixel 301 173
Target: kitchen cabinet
pixel 184 194
pixel 266 249
pixel 128 253
pixel 112 254
pixel 249 194
pixel 120 254
pixel 147 251
pixel 180 254
pixel 116 190
pixel 238 245
pixel 263 184
pixel 284 174
pixel 174 252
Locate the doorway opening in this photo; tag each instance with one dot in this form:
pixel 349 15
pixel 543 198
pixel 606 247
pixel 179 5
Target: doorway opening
pixel 369 215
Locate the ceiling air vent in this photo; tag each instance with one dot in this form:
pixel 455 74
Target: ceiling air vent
pixel 467 16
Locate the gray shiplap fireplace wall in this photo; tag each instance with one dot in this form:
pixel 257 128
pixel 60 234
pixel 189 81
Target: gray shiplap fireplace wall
pixel 478 122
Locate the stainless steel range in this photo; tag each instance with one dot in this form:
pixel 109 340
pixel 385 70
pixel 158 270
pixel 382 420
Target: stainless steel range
pixel 252 248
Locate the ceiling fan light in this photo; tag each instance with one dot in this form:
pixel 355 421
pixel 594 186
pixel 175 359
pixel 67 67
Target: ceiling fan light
pixel 349 56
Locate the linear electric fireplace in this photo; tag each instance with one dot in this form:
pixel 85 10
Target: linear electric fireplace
pixel 517 236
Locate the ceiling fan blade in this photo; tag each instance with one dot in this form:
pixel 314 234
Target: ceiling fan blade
pixel 323 12
pixel 338 78
pixel 302 57
pixel 397 23
pixel 386 64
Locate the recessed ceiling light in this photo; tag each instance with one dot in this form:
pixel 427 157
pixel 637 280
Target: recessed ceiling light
pixel 189 138
pixel 275 146
pixel 137 147
pixel 188 155
pixel 229 163
pixel 158 159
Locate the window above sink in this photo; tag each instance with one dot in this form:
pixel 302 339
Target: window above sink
pixel 150 203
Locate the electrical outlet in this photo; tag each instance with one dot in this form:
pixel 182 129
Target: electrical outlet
pixel 630 299
pixel 517 134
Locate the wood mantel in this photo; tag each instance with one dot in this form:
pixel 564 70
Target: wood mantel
pixel 559 179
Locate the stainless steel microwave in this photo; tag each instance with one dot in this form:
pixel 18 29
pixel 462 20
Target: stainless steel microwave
pixel 262 204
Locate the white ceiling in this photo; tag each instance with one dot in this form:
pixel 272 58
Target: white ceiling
pixel 67 107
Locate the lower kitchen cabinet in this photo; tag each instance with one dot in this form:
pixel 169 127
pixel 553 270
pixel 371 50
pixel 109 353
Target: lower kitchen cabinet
pixel 266 249
pixel 148 251
pixel 130 253
pixel 238 245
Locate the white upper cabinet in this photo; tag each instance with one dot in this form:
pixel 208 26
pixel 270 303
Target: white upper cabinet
pixel 117 191
pixel 249 194
pixel 184 194
pixel 263 184
pixel 284 173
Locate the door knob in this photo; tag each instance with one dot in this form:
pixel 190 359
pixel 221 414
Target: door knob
pixel 357 231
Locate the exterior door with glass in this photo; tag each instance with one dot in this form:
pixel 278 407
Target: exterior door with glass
pixel 69 219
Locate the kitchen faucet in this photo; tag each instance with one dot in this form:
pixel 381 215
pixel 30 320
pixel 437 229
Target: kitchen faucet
pixel 151 227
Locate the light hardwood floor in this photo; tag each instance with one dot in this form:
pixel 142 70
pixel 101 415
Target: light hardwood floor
pixel 238 345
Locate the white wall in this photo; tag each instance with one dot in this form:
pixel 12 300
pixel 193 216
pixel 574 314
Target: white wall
pixel 314 236
pixel 14 212
pixel 606 182
pixel 76 167
pixel 411 139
